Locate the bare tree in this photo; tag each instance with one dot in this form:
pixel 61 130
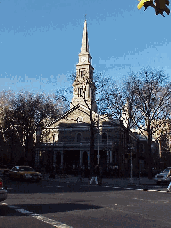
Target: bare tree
pixel 146 96
pixel 149 95
pixel 27 112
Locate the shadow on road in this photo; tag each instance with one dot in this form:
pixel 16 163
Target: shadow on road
pixel 53 208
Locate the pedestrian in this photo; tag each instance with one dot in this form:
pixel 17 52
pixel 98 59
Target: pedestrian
pixel 169 187
pixel 95 176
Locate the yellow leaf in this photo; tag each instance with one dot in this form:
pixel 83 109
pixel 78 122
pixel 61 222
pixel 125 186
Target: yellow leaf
pixel 141 4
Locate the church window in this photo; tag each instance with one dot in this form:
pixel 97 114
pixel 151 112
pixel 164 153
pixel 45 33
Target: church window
pixel 90 92
pixel 82 73
pixel 55 138
pixel 78 92
pixel 81 92
pixel 79 137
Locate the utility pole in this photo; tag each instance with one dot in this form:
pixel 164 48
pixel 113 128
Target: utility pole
pixel 91 132
pixel 98 141
pixel 91 140
pixel 131 180
pixel 131 148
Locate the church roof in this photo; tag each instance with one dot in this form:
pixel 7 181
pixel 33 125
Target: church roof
pixel 63 116
pixel 83 112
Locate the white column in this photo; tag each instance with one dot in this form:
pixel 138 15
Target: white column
pixel 54 159
pixel 81 157
pixel 88 159
pixel 110 156
pixel 62 159
pixel 37 158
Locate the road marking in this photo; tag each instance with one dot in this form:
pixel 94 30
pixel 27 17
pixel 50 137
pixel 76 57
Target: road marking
pixel 116 187
pixel 128 188
pixel 139 189
pixel 59 186
pixel 44 219
pixel 11 206
pixel 106 186
pixel 23 211
pixel 162 191
pixel 50 221
pixel 152 190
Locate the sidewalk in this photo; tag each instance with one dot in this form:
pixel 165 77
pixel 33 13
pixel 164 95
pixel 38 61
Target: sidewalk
pixel 120 182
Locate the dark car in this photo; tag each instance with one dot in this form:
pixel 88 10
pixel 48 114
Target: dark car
pixel 24 173
pixel 3 191
pixel 164 176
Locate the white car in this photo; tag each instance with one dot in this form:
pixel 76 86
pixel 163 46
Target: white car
pixel 164 176
pixel 3 192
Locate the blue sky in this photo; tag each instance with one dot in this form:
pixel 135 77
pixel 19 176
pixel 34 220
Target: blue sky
pixel 40 41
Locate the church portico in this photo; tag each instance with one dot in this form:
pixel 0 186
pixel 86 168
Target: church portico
pixel 63 156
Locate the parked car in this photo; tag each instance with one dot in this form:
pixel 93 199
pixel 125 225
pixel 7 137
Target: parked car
pixel 24 173
pixel 3 191
pixel 164 176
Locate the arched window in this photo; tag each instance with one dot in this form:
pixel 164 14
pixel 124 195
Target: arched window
pixel 104 138
pixel 79 137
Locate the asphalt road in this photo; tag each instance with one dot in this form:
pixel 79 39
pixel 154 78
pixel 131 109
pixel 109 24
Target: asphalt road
pixel 64 205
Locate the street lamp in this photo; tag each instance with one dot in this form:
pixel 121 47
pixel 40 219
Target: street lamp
pixel 131 148
pixel 98 156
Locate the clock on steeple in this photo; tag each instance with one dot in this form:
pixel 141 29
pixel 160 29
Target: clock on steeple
pixel 83 59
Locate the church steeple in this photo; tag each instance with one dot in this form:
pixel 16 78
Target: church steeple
pixel 84 87
pixel 85 45
pixel 84 56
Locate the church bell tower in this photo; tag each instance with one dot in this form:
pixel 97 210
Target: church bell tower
pixel 83 86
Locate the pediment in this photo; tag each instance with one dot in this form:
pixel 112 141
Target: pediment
pixel 77 115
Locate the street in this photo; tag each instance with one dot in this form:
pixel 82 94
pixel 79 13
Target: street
pixel 53 203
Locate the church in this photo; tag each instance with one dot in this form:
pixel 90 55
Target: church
pixel 66 142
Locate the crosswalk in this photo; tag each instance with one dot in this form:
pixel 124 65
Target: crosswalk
pixel 133 188
pixel 137 188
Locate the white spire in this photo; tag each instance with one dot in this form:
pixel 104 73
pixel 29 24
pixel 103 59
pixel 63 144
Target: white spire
pixel 85 46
